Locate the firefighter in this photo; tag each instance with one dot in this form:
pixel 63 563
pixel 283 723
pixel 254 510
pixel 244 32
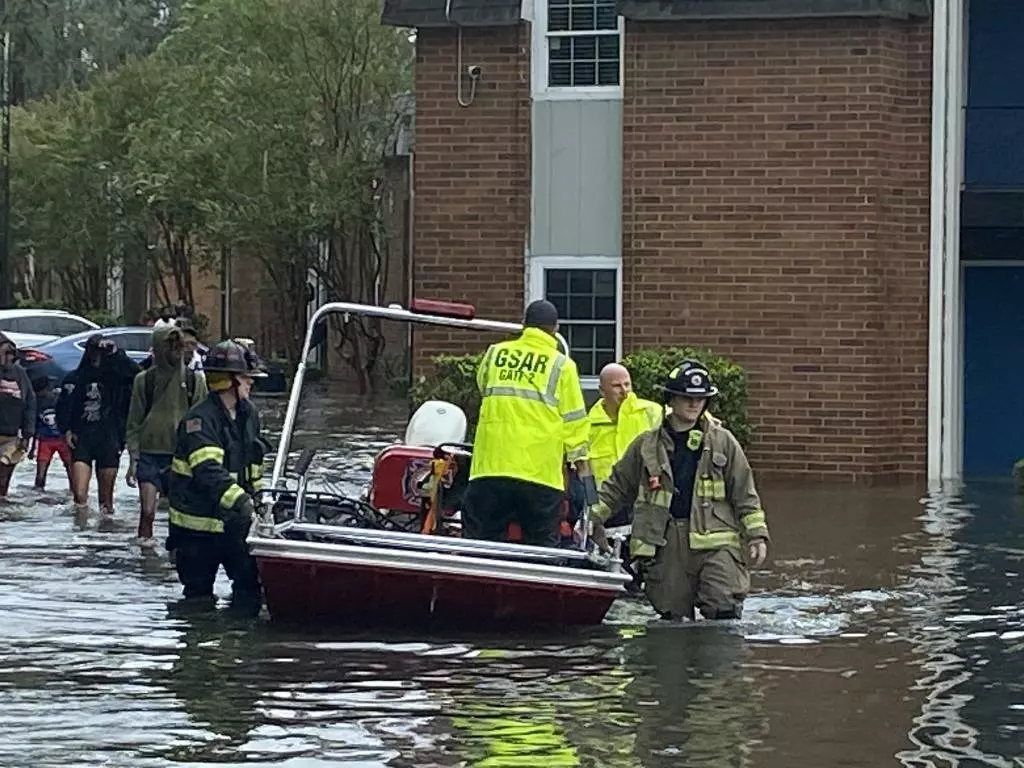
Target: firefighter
pixel 532 420
pixel 216 472
pixel 697 511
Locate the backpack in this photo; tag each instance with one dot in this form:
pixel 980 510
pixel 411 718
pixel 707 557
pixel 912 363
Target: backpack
pixel 150 388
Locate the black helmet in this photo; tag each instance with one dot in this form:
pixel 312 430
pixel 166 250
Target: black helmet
pixel 231 357
pixel 690 379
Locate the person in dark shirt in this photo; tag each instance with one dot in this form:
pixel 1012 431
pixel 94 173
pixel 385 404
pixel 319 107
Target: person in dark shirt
pixel 93 414
pixel 17 412
pixel 48 439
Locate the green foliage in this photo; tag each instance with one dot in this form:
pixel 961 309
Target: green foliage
pixel 650 367
pixel 258 127
pixel 453 379
pixel 104 318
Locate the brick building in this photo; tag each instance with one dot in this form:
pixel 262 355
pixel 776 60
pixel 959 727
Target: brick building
pixel 751 177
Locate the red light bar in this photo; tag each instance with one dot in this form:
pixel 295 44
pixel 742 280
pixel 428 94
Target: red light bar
pixel 442 308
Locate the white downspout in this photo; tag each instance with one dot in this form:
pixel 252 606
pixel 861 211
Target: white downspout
pixel 952 448
pixel 937 249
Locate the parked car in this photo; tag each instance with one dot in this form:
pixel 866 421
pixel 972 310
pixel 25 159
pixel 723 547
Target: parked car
pixel 31 327
pixel 59 357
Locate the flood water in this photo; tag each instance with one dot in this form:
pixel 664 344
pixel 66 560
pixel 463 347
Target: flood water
pixel 887 629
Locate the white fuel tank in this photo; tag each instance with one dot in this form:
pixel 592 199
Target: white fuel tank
pixel 436 422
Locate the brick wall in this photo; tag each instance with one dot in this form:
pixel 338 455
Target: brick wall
pixel 471 179
pixel 775 209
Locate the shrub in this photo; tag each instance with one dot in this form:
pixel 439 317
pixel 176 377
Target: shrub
pixel 453 379
pixel 650 367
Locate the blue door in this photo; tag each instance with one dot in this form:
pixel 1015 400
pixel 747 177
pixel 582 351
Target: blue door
pixel 993 369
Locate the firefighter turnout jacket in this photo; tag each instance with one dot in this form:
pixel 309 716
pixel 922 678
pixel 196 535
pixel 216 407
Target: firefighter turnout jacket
pixel 532 417
pixel 217 461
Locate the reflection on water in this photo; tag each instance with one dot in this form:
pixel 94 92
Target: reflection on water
pixel 886 630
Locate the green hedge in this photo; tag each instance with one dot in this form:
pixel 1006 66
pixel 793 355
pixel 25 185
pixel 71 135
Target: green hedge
pixel 453 379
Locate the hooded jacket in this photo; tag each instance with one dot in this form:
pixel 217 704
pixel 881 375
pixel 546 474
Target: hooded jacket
pixel 17 399
pixel 94 399
pixel 153 430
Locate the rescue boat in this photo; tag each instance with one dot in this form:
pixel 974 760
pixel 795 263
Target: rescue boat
pixel 395 555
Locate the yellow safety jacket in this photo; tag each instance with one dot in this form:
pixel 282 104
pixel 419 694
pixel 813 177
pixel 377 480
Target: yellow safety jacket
pixel 610 439
pixel 532 416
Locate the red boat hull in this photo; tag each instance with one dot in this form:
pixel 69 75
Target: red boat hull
pixel 319 593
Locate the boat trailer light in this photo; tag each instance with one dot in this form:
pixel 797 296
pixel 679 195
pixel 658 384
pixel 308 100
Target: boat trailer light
pixel 442 308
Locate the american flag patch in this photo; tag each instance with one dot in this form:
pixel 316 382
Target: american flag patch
pixel 194 425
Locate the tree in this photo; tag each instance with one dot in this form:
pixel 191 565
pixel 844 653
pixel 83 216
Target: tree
pixel 272 138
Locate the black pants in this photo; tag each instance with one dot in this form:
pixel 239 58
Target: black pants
pixel 494 502
pixel 198 556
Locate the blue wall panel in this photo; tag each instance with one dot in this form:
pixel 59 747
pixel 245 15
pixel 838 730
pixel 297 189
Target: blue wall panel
pixel 994 130
pixel 994 148
pixel 993 369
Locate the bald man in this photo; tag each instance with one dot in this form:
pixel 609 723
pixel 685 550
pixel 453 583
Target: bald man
pixel 616 420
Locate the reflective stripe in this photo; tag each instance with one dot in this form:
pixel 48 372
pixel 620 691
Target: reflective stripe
pixel 233 476
pixel 707 488
pixel 525 394
pixel 256 483
pixel 714 540
pixel 755 519
pixel 207 453
pixel 195 522
pixel 718 490
pixel 231 495
pixel 577 454
pixel 640 548
pixel 574 415
pixel 181 467
pixel 660 498
pixel 600 511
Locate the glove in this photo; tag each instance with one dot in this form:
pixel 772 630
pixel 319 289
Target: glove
pixel 242 511
pixel 595 533
pixel 757 552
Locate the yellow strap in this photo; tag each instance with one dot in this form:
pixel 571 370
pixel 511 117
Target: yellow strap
pixel 195 522
pixel 231 495
pixel 206 453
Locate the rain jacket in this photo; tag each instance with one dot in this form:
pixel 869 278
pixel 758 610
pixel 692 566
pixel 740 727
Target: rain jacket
pixel 152 421
pixel 725 507
pixel 95 399
pixel 610 439
pixel 217 461
pixel 17 400
pixel 532 416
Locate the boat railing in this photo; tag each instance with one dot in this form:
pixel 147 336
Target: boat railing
pixel 443 314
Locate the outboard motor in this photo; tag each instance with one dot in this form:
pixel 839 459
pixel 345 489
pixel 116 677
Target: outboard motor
pixel 436 422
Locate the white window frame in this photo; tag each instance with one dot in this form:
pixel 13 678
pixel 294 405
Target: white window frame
pixel 542 91
pixel 537 265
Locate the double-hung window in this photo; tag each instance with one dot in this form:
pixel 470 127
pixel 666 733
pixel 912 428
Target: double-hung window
pixel 580 46
pixel 587 293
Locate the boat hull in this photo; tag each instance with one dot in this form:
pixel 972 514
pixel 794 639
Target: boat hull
pixel 318 584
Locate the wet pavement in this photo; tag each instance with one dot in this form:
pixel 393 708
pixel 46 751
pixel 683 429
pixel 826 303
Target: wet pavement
pixel 887 629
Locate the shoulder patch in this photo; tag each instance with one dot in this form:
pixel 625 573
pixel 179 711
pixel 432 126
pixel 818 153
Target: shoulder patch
pixel 193 425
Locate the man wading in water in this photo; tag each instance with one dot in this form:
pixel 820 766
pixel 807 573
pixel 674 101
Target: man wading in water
pixel 92 413
pixel 161 395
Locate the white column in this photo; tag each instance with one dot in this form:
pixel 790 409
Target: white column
pixel 945 368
